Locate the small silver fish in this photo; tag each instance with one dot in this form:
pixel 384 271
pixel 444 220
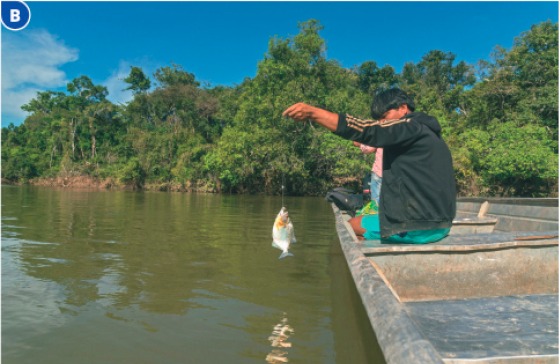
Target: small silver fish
pixel 283 233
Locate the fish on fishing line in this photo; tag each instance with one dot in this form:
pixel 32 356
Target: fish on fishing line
pixel 283 233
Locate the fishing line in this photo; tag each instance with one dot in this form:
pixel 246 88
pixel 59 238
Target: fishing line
pixel 282 187
pixel 299 135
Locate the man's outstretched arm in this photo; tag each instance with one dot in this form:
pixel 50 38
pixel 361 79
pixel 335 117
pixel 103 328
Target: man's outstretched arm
pixel 304 112
pixel 368 132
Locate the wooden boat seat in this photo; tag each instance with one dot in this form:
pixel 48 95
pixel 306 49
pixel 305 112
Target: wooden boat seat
pixel 472 242
pixel 468 266
pixel 473 225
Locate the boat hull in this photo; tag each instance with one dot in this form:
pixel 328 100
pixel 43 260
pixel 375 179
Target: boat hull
pixel 470 298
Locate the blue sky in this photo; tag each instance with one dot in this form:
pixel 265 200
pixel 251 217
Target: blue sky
pixel 221 42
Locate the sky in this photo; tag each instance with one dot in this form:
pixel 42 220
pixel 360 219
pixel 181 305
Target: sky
pixel 222 42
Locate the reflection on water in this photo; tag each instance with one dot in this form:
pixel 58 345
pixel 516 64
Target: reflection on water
pixel 279 337
pixel 168 278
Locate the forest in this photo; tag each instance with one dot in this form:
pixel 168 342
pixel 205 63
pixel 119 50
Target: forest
pixel 499 118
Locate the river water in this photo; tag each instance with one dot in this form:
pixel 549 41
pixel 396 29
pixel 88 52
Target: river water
pixel 142 277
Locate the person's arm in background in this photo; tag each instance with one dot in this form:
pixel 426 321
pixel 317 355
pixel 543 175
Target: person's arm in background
pixel 365 148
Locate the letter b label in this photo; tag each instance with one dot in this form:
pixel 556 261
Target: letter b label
pixel 15 14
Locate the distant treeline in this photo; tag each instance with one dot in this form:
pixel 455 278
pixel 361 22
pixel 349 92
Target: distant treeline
pixel 499 118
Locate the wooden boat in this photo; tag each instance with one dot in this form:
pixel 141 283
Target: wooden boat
pixel 487 293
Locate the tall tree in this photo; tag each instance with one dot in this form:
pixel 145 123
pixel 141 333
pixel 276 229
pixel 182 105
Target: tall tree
pixel 372 78
pixel 170 76
pixel 85 99
pixel 137 80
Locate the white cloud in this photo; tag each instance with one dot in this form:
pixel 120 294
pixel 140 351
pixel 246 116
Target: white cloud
pixel 115 85
pixel 31 62
pixel 13 100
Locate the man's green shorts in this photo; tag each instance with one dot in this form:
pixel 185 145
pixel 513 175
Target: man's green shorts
pixel 371 224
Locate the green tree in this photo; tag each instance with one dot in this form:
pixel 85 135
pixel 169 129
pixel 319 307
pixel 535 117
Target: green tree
pixel 137 80
pixel 498 116
pixel 170 76
pixel 259 148
pixel 372 78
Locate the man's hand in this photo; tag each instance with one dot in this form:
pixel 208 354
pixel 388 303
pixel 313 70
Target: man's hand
pixel 299 112
pixel 357 144
pixel 304 112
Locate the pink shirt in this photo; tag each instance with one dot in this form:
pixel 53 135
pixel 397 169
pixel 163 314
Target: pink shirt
pixel 377 166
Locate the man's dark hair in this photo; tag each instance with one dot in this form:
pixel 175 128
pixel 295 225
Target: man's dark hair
pixel 389 100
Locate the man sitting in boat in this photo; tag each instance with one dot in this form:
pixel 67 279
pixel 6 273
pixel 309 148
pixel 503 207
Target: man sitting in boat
pixel 418 193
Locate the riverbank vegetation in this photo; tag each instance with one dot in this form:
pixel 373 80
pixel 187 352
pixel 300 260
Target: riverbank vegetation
pixel 499 118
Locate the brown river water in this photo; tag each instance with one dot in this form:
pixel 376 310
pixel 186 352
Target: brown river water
pixel 154 277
